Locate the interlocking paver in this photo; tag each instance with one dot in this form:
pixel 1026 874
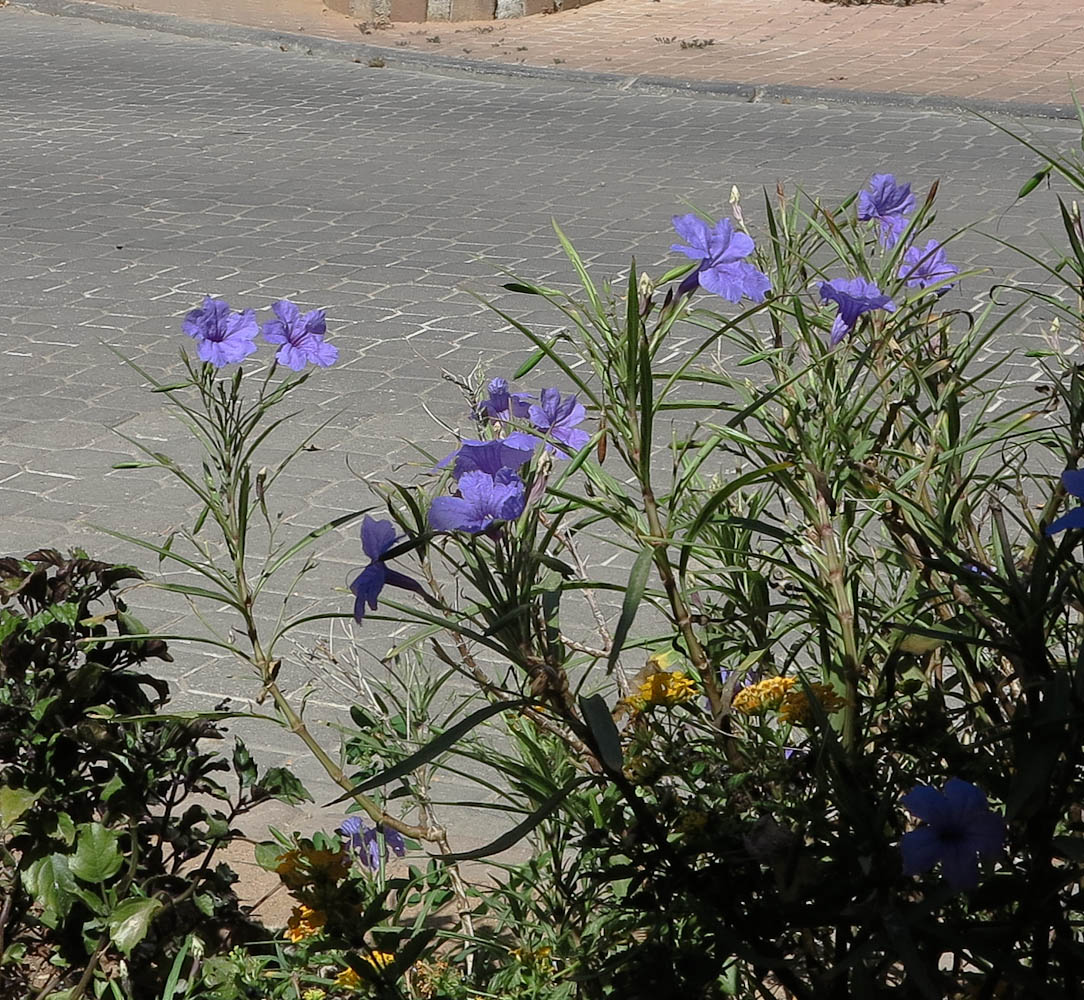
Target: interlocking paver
pixel 142 171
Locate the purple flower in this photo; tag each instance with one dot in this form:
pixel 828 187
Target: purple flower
pixel 721 252
pixel 376 538
pixel 302 337
pixel 224 338
pixel 364 841
pixel 558 418
pixel 1073 481
pixel 502 404
pixel 888 204
pixel 854 296
pixel 960 828
pixel 483 500
pixel 490 457
pixel 929 266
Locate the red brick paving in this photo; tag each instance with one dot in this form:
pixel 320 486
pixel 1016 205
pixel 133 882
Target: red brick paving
pixel 999 50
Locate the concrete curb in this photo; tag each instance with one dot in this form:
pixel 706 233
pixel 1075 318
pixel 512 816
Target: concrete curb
pixel 424 62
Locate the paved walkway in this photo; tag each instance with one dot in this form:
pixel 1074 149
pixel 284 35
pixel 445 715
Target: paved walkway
pixel 1020 52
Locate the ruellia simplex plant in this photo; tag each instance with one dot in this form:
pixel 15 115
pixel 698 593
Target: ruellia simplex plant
pixel 826 745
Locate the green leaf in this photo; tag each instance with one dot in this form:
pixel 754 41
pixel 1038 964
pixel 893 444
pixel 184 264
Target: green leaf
pixel 128 923
pixel 65 828
pixel 1034 181
pixel 268 855
pixel 283 785
pixel 518 832
pixel 52 886
pixel 634 594
pixel 97 857
pixel 243 765
pixel 13 803
pixel 603 730
pixel 204 903
pixel 434 747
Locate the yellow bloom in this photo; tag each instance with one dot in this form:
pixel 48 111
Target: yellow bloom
pixel 796 709
pixel 314 994
pixel 538 958
pixel 302 866
pixel 304 922
pixel 763 695
pixel 666 688
pixel 348 977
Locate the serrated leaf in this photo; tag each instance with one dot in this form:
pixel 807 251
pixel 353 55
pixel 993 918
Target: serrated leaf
pixel 128 923
pixel 97 857
pixel 283 785
pixel 204 903
pixel 51 884
pixel 13 803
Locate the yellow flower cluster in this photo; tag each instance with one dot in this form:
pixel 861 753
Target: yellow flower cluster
pixel 304 922
pixel 302 866
pixel 763 695
pixel 796 709
pixel 665 688
pixel 377 959
pixel 538 958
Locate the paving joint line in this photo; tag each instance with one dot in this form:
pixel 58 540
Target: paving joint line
pixel 434 63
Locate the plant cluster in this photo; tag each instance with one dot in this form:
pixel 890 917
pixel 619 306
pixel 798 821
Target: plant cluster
pixel 820 737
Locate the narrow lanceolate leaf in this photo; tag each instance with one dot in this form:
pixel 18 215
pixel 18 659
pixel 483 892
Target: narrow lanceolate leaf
pixel 434 747
pixel 600 721
pixel 634 593
pixel 518 832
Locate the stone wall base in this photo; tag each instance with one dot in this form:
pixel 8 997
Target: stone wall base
pixel 383 11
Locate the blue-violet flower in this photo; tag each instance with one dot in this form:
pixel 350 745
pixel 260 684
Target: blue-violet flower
pixel 558 418
pixel 511 452
pixel 721 252
pixel 929 266
pixel 502 404
pixel 888 204
pixel 483 500
pixel 301 336
pixel 1073 481
pixel 960 828
pixel 376 538
pixel 224 338
pixel 364 841
pixel 854 296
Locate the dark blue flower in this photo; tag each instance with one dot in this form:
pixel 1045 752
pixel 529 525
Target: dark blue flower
pixel 960 828
pixel 557 417
pixel 1073 481
pixel 483 500
pixel 929 266
pixel 502 404
pixel 721 252
pixel 888 204
pixel 376 538
pixel 302 337
pixel 223 337
pixel 364 841
pixel 854 296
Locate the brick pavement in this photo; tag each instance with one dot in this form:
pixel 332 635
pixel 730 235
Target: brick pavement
pixel 143 170
pixel 1016 51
